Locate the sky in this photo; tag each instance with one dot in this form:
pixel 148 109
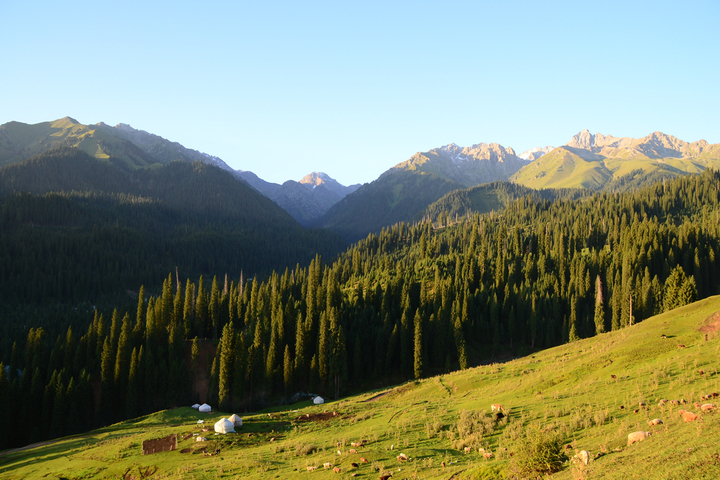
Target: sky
pixel 352 88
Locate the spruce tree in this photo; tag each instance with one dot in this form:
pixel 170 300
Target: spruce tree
pixel 225 374
pixel 418 346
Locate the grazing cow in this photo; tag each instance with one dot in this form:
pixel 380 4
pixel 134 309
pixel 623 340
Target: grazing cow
pixel 311 468
pixel 352 450
pixel 642 405
pixel 327 465
pixel 681 346
pixel 636 410
pixel 674 402
pixel 354 465
pixel 708 407
pixel 655 421
pixel 467 449
pixel 385 476
pixel 363 460
pixel 488 455
pixel 337 470
pixel 689 417
pixel 402 457
pixel 496 407
pixel 637 437
pixel 663 336
pixel 613 377
pixel 622 407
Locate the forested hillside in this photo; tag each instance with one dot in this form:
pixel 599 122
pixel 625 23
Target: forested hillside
pixel 396 196
pixel 408 302
pixel 76 229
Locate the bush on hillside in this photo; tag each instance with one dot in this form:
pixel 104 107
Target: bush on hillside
pixel 538 453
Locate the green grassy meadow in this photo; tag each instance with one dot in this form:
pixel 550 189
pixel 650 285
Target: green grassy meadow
pixel 566 391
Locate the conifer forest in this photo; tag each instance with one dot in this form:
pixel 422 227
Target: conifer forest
pixel 443 293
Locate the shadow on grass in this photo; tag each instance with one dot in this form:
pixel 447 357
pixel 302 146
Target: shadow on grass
pixel 46 453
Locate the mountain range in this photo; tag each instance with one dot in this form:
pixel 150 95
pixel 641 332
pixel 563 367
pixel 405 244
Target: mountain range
pixel 598 161
pixel 404 192
pixel 131 148
pixel 305 200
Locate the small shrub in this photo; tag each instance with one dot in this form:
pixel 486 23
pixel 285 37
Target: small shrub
pixel 514 431
pixel 433 429
pixel 304 449
pixel 538 453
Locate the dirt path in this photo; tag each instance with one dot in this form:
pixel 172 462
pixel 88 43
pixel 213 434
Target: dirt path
pixel 376 397
pixel 28 447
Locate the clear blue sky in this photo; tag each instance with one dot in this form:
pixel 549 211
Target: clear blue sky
pixel 353 88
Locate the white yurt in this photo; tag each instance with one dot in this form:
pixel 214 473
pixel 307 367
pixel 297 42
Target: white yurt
pixel 237 421
pixel 196 406
pixel 318 400
pixel 205 408
pixel 224 426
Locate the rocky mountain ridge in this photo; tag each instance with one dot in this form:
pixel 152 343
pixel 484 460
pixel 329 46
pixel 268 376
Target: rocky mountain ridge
pixel 599 161
pixel 467 166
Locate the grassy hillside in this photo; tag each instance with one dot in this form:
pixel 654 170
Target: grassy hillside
pixel 573 392
pixel 562 168
pixel 567 167
pixel 19 141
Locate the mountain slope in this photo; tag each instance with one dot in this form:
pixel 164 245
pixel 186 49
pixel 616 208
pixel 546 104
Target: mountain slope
pixel 305 200
pixel 120 229
pixel 397 195
pixel 159 148
pixel 406 190
pixel 582 394
pixel 467 166
pixel 489 197
pixel 594 161
pixel 128 146
pixel 19 141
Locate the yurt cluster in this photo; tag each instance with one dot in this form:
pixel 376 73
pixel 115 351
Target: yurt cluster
pixel 224 425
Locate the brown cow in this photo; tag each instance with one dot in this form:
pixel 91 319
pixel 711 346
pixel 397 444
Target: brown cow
pixel 689 417
pixel 337 470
